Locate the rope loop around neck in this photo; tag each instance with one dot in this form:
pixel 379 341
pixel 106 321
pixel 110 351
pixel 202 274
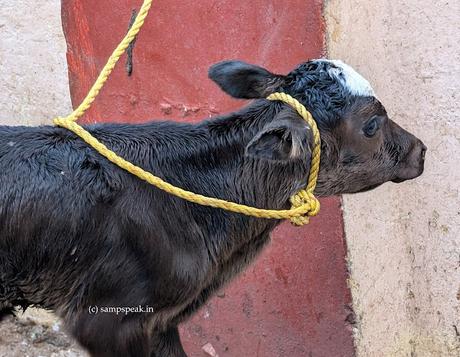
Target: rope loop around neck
pixel 304 203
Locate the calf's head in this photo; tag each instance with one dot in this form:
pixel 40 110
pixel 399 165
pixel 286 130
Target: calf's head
pixel 361 147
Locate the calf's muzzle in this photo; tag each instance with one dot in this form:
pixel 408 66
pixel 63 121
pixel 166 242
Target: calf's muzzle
pixel 412 161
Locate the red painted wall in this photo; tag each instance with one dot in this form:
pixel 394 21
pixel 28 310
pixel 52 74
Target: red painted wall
pixel 294 300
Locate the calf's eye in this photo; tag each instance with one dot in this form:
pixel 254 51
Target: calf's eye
pixel 371 127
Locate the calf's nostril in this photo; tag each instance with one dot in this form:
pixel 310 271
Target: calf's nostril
pixel 423 151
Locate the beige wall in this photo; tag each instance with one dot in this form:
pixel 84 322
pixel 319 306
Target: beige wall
pixel 404 240
pixel 33 67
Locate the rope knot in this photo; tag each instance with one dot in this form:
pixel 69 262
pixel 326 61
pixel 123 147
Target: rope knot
pixel 309 205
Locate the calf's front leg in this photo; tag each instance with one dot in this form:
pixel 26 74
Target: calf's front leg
pixel 110 335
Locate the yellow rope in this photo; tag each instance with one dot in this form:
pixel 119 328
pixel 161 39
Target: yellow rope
pixel 304 203
pixel 111 62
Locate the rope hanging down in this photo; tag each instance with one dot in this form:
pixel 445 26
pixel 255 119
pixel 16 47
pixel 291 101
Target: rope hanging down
pixel 304 203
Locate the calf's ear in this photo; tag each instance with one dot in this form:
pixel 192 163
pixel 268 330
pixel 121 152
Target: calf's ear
pixel 286 138
pixel 243 80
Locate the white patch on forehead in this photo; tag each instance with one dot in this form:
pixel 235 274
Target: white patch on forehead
pixel 355 83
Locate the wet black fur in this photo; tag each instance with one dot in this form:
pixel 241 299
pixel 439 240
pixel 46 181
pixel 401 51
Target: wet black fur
pixel 77 231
